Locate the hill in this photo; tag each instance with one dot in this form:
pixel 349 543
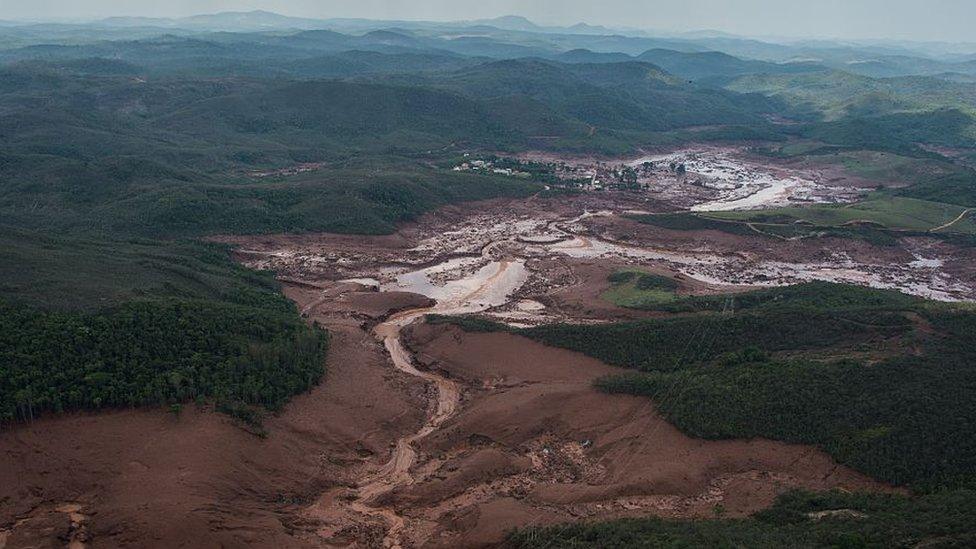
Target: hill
pixel 95 322
pixel 717 67
pixel 627 96
pixel 836 93
pixel 583 55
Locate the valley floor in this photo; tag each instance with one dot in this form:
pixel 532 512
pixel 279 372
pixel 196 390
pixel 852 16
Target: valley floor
pixel 458 437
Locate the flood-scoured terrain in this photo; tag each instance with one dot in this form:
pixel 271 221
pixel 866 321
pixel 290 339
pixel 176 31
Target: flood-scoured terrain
pixel 428 435
pixel 469 280
pixel 515 433
pixel 448 261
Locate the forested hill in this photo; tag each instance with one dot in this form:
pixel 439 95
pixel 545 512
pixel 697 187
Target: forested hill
pixel 167 155
pixel 115 132
pixel 89 323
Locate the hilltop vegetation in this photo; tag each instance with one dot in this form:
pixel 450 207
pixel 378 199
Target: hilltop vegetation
pixel 86 273
pixel 838 93
pixel 632 96
pixel 173 158
pixel 232 102
pixel 151 353
pixel 349 198
pixel 137 322
pixel 898 132
pixel 168 156
pixel 896 115
pixel 288 120
pixel 717 67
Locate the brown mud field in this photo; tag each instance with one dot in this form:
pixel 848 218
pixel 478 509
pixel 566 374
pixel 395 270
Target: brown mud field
pixel 535 443
pixel 424 435
pixel 146 478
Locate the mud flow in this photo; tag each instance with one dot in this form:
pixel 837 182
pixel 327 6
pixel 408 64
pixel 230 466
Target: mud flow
pixel 426 435
pixel 514 433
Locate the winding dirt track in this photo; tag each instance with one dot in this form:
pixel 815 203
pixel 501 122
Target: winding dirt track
pixel 954 221
pixel 396 472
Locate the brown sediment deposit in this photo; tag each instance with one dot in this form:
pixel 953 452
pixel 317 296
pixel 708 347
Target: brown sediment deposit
pixel 147 478
pixel 426 435
pixel 536 443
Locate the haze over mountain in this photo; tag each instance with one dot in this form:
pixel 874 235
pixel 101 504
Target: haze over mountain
pixel 939 20
pixel 454 274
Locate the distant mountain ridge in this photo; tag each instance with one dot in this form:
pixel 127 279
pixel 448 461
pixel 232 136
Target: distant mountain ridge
pixel 510 36
pixel 266 20
pixel 249 20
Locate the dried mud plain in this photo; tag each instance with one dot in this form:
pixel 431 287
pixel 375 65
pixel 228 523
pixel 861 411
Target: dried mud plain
pixel 426 435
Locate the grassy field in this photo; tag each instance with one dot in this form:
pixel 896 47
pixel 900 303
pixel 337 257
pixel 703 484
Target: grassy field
pixel 895 213
pixel 888 167
pixel 636 289
pixel 87 273
pixel 813 296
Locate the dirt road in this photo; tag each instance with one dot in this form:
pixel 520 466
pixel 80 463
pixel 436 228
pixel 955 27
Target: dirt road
pixel 953 222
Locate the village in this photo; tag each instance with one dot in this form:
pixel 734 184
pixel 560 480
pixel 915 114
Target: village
pixel 585 176
pixel 703 178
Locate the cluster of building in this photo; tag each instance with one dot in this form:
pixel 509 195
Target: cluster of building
pixel 587 176
pixel 489 167
pixel 291 170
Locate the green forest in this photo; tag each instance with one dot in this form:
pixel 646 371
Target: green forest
pixel 675 343
pixel 97 322
pixel 152 353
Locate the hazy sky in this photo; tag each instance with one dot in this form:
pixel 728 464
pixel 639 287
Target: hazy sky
pixel 943 20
